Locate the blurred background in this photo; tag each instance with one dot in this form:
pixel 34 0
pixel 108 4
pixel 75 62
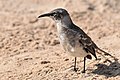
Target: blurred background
pixel 30 49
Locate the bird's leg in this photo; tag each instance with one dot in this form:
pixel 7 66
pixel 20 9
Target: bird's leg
pixel 75 69
pixel 84 65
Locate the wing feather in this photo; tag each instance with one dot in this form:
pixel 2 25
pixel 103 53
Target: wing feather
pixel 88 44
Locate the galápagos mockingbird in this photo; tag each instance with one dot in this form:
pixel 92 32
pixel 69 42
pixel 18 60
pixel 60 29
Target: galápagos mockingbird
pixel 73 39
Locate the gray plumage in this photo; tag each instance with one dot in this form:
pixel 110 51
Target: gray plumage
pixel 73 39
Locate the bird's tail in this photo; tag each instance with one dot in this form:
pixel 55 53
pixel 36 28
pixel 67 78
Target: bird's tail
pixel 105 54
pixel 100 51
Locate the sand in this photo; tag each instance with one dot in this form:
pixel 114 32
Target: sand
pixel 30 49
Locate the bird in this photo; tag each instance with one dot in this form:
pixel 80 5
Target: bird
pixel 72 38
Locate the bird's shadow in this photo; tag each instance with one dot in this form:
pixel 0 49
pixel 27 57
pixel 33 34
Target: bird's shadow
pixel 111 70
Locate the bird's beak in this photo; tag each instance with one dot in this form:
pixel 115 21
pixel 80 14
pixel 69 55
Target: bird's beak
pixel 46 15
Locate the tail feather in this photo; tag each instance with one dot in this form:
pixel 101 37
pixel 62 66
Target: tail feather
pixel 106 53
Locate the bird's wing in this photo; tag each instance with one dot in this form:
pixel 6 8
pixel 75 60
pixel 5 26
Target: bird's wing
pixel 87 43
pixel 84 39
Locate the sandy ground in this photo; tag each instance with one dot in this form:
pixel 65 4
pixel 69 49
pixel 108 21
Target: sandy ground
pixel 30 50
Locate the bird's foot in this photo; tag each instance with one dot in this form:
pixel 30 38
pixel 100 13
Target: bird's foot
pixel 83 71
pixel 75 69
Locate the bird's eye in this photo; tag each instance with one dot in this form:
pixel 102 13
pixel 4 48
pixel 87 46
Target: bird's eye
pixel 55 15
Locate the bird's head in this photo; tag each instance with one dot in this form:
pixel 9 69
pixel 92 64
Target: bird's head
pixel 57 14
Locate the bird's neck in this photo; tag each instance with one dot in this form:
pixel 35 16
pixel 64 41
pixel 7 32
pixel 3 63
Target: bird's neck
pixel 64 24
pixel 67 21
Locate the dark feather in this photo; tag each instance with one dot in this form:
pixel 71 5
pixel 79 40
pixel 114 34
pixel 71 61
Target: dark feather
pixel 89 56
pixel 85 40
pixel 88 45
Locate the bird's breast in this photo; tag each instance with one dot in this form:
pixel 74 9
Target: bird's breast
pixel 72 47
